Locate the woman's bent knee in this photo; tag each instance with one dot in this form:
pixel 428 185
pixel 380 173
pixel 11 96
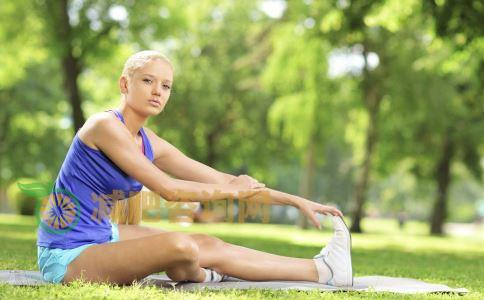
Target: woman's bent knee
pixel 183 248
pixel 206 241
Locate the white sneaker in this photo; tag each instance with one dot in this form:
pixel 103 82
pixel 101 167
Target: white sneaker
pixel 337 255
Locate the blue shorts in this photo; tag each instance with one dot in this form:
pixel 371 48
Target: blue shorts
pixel 53 262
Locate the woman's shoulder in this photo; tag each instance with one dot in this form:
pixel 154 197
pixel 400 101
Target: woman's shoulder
pixel 153 137
pixel 93 123
pixel 150 133
pixel 158 144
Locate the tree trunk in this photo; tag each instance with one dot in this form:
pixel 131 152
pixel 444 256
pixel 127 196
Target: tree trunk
pixel 71 67
pixel 372 100
pixel 362 183
pixel 217 131
pixel 211 139
pixel 306 186
pixel 4 130
pixel 442 177
pixel 4 205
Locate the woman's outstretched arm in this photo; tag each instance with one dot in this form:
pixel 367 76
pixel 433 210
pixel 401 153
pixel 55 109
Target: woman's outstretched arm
pixel 307 207
pixel 171 160
pixel 111 137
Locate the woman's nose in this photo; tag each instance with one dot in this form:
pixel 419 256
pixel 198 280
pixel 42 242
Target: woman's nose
pixel 156 90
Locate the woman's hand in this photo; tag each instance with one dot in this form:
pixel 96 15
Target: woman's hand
pixel 310 208
pixel 246 182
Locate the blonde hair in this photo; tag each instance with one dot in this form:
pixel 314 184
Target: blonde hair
pixel 127 211
pixel 139 59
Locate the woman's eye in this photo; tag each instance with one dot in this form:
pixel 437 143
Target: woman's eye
pixel 167 87
pixel 147 80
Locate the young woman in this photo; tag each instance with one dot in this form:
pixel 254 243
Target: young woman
pixel 112 156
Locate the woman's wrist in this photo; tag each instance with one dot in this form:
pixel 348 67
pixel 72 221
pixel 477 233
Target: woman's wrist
pixel 297 201
pixel 282 198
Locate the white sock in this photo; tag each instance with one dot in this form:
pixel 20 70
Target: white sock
pixel 324 272
pixel 212 276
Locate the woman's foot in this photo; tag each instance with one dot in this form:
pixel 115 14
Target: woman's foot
pixel 336 257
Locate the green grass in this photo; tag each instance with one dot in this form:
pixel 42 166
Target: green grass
pixel 457 262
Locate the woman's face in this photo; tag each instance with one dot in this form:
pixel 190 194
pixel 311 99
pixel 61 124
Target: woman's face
pixel 148 91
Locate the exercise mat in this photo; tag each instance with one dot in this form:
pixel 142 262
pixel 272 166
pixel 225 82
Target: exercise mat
pixel 361 284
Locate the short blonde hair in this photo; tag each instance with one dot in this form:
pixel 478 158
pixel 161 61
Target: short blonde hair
pixel 139 59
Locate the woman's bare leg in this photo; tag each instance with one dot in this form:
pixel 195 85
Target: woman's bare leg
pixel 125 261
pixel 249 264
pixel 237 261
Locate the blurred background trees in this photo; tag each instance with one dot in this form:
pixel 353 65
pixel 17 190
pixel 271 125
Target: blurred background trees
pixel 374 106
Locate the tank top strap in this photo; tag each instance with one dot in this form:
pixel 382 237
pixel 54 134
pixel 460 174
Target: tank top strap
pixel 147 148
pixel 145 141
pixel 118 114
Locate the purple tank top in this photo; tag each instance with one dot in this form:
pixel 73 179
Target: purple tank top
pixel 77 211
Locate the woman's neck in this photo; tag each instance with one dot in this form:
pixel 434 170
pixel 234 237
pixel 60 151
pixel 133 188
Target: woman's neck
pixel 132 119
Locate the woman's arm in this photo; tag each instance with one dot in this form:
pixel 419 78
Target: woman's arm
pixel 171 160
pixel 112 138
pixel 307 207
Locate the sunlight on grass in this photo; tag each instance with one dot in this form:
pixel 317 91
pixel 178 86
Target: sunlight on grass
pixel 384 250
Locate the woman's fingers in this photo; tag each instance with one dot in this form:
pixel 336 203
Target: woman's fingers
pixel 246 181
pixel 329 210
pixel 253 182
pixel 315 221
pixel 256 185
pixel 310 214
pixel 310 210
pixel 336 212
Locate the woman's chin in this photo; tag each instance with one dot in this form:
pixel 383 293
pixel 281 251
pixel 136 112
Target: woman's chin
pixel 148 111
pixel 154 111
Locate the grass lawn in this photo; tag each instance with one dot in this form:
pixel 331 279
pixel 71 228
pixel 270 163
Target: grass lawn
pixel 384 250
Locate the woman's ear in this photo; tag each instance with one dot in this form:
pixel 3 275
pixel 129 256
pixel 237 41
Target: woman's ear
pixel 123 85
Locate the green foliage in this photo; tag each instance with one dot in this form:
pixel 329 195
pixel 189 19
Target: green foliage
pixel 33 143
pixel 23 203
pixel 19 46
pixel 216 113
pixel 253 94
pixel 296 71
pixel 461 20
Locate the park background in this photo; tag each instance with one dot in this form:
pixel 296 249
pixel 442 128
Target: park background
pixel 373 106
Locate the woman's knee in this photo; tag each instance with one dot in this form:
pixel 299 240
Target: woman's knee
pixel 183 247
pixel 205 241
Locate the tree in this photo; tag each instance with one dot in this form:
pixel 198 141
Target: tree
pixel 434 118
pixel 297 75
pixel 460 23
pixel 216 113
pixel 83 34
pixel 19 54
